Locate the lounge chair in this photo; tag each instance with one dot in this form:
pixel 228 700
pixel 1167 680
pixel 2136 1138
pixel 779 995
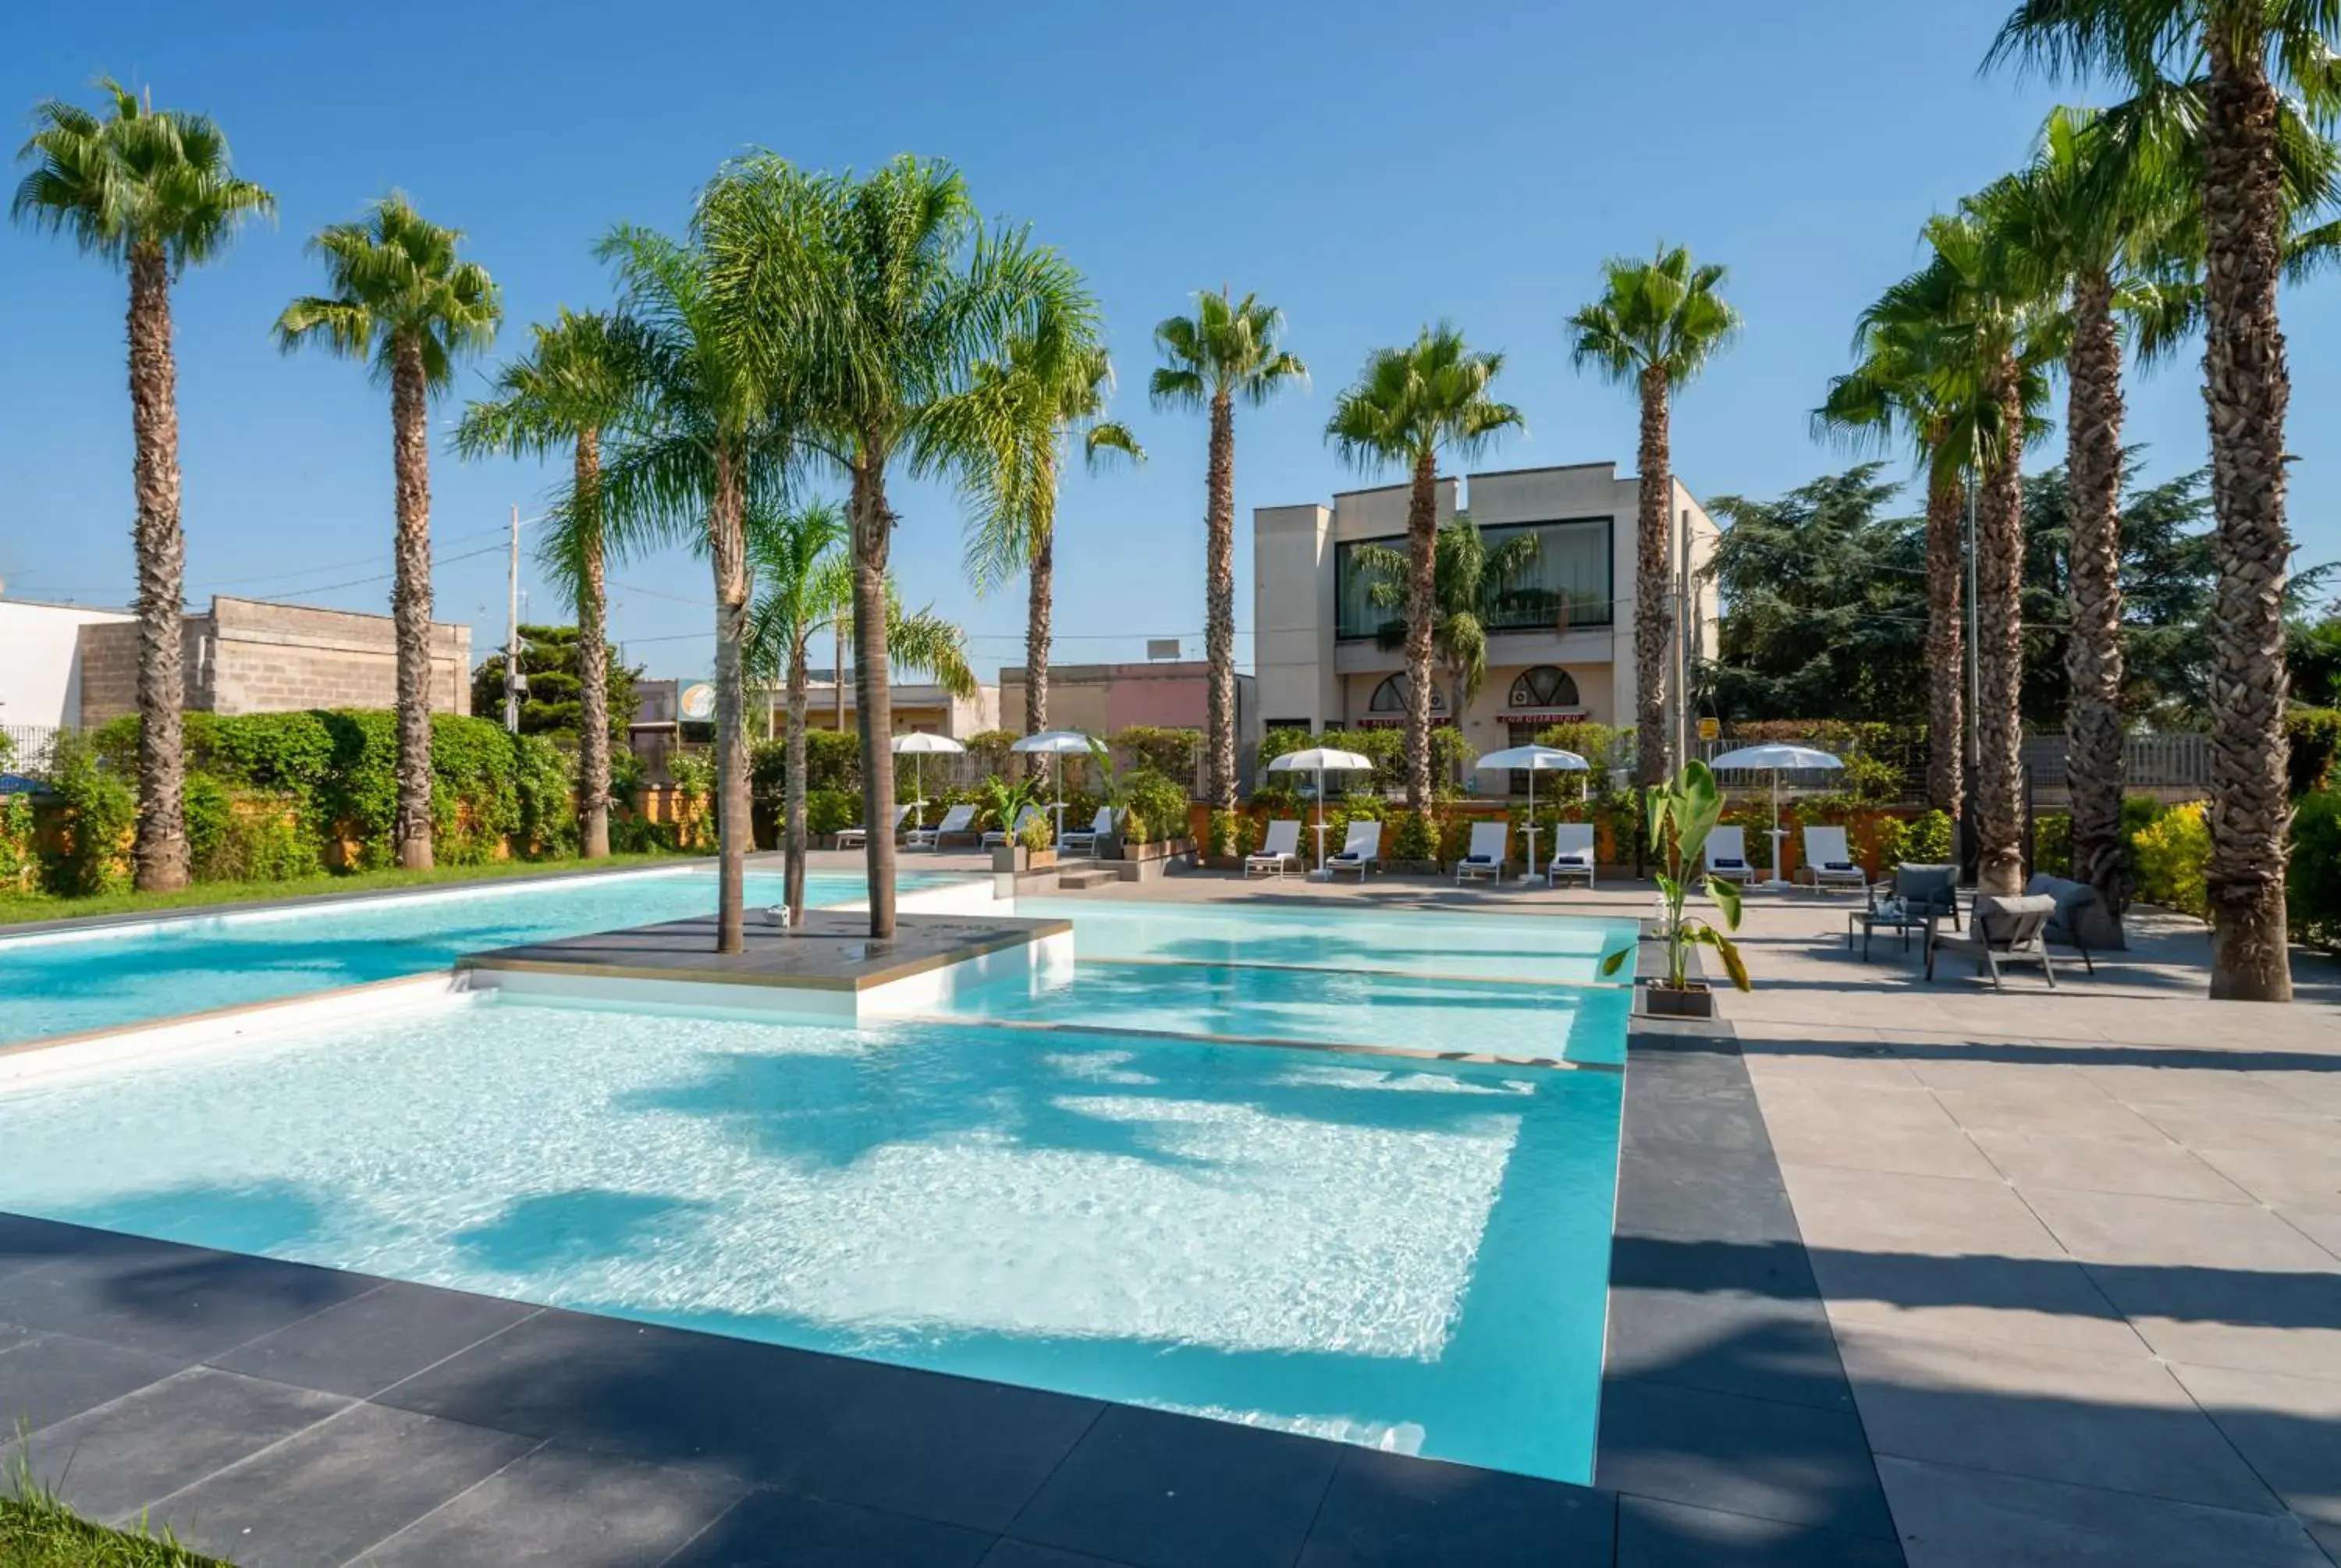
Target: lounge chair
pixel 1572 853
pixel 1491 842
pixel 1360 849
pixel 1279 849
pixel 857 836
pixel 1084 840
pixel 993 838
pixel 958 823
pixel 1727 855
pixel 1924 889
pixel 2001 931
pixel 2075 902
pixel 1828 863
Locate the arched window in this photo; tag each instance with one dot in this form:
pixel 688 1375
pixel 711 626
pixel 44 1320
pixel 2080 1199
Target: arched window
pixel 1545 686
pixel 1390 697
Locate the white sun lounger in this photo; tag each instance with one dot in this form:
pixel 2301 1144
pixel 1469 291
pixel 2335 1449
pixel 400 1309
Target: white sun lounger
pixel 1279 849
pixel 1491 842
pixel 1828 863
pixel 1572 853
pixel 1360 849
pixel 857 836
pixel 1727 855
pixel 1084 840
pixel 957 823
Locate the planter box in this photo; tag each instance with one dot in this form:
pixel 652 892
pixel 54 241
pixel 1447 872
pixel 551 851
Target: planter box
pixel 1016 858
pixel 1160 850
pixel 1658 1002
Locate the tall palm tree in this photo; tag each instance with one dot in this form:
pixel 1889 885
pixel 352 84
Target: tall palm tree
pixel 2254 52
pixel 802 570
pixel 710 441
pixel 400 296
pixel 1656 324
pixel 1405 405
pixel 880 298
pixel 1471 585
pixel 577 381
pixel 1055 388
pixel 155 192
pixel 1227 350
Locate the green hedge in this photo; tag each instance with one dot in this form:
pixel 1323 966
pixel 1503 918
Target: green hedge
pixel 1386 749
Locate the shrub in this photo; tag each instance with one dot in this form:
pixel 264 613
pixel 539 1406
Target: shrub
pixel 2169 857
pixel 831 810
pixel 1927 839
pixel 100 813
pixel 988 750
pixel 2313 735
pixel 2313 880
pixel 1169 751
pixel 1413 835
pixel 1038 833
pixel 2052 844
pixel 1156 807
pixel 1234 834
pixel 20 858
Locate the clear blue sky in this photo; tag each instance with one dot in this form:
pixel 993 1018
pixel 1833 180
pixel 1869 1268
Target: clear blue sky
pixel 1367 167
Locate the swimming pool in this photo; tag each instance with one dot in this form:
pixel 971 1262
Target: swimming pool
pixel 65 982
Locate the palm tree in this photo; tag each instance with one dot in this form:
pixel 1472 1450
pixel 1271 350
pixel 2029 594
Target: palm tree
pixel 709 442
pixel 1404 406
pixel 1656 326
pixel 1471 585
pixel 577 382
pixel 879 298
pixel 1054 388
pixel 152 192
pixel 402 297
pixel 2255 53
pixel 1225 350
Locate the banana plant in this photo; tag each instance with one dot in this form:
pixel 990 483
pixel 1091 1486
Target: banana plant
pixel 1683 811
pixel 1004 800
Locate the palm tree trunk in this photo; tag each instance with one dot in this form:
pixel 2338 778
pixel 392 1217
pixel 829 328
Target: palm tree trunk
pixel 1421 607
pixel 734 830
pixel 873 528
pixel 1653 585
pixel 1946 636
pixel 1219 608
pixel 411 602
pixel 159 853
pixel 2247 387
pixel 1999 649
pixel 593 653
pixel 792 817
pixel 1040 602
pixel 2093 653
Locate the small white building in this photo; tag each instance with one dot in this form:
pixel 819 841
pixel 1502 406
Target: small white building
pixel 41 661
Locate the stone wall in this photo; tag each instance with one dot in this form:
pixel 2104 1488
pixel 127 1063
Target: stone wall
pixel 244 656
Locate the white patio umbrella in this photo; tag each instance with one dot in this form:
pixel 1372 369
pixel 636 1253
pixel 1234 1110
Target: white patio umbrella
pixel 1058 744
pixel 1534 759
pixel 1774 760
pixel 917 747
pixel 1322 761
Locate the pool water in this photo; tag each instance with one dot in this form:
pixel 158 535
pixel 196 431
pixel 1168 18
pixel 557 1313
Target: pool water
pixel 1410 1256
pixel 68 982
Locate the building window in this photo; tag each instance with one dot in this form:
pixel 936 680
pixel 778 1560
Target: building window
pixel 1566 583
pixel 1546 686
pixel 1390 697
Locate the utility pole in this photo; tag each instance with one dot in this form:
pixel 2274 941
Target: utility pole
pixel 837 667
pixel 513 679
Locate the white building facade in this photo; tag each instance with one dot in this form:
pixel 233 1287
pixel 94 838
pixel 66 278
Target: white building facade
pixel 1560 641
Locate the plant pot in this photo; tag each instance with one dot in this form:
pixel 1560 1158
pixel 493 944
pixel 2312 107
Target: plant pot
pixel 1160 850
pixel 1016 858
pixel 1693 1001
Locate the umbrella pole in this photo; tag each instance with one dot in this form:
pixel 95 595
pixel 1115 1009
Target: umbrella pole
pixel 1320 822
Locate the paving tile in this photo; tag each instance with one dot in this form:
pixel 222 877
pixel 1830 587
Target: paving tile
pixel 1780 1269
pixel 560 1505
pixel 1754 1456
pixel 1709 1108
pixel 2200 1129
pixel 956 1449
pixel 1855 1145
pixel 2066 1114
pixel 2322 1227
pixel 1162 1491
pixel 2274 1176
pixel 1007 1553
pixel 1655 1535
pixel 1979 1068
pixel 162 1297
pixel 2288 1429
pixel 744 1411
pixel 1387 1509
pixel 2175 1232
pixel 365 1345
pixel 11 1337
pixel 774 1530
pixel 46 1378
pixel 111 1462
pixel 1719 1195
pixel 2160 1169
pixel 1955 1518
pixel 2121 1423
pixel 1731 1342
pixel 325 1495
pixel 1941 1216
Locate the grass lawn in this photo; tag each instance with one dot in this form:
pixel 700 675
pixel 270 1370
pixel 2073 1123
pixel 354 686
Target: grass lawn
pixel 17 906
pixel 37 1531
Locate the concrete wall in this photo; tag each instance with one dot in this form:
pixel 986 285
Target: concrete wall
pixel 1292 614
pixel 41 668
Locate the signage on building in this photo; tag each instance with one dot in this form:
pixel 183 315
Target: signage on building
pixel 1709 728
pixel 1438 721
pixel 698 702
pixel 1549 716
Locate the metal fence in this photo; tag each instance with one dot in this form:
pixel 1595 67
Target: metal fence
pixel 30 749
pixel 2173 766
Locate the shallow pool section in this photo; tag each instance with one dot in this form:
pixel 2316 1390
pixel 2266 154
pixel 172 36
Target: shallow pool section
pixel 1407 1255
pixel 65 983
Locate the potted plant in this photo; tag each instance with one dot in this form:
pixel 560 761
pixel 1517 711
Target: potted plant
pixel 1154 816
pixel 1004 802
pixel 1683 811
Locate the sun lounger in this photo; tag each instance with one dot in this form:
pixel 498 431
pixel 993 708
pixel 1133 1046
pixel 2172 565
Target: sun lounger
pixel 857 836
pixel 1360 849
pixel 994 838
pixel 1572 853
pixel 1084 840
pixel 1727 855
pixel 1828 863
pixel 958 823
pixel 1279 849
pixel 1490 841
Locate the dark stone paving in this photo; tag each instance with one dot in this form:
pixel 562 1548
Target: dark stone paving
pixel 288 1416
pixel 831 951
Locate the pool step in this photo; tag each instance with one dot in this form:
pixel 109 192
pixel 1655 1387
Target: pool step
pixel 1085 879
